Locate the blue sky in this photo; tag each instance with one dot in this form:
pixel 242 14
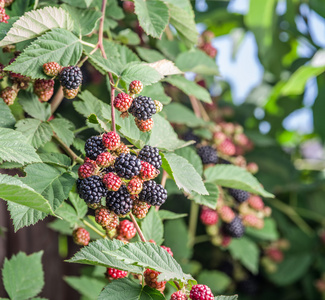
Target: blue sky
pixel 245 71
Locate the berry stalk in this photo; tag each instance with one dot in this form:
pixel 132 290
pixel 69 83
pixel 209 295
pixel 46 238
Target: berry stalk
pixel 67 150
pixel 94 229
pixel 143 239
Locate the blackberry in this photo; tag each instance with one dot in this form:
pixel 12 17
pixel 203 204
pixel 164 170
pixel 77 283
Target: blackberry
pixel 109 170
pixel 153 193
pixel 248 286
pixel 81 236
pixel 71 77
pixel 208 155
pixel 142 108
pixel 190 136
pixel 119 202
pixel 235 228
pixel 144 126
pixel 151 155
pixel 127 166
pixel 94 146
pixel 92 189
pixel 239 195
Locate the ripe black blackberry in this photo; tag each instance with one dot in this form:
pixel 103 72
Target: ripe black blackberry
pixel 239 195
pixel 119 202
pixel 153 193
pixel 142 108
pixel 94 146
pixel 208 155
pixel 235 228
pixel 151 155
pixel 190 136
pixel 71 77
pixel 109 169
pixel 222 161
pixel 92 189
pixel 127 166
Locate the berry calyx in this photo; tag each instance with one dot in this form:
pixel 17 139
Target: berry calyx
pixel 112 181
pixel 126 229
pixel 122 102
pixel 179 295
pixel 116 273
pixel 150 277
pixel 201 292
pixel 70 77
pixel 135 186
pixel 144 126
pixel 148 171
pixel 51 68
pixel 111 140
pixel 103 216
pixel 81 236
pixel 209 216
pixel 140 209
pixel 105 159
pixel 9 95
pixel 86 170
pixel 135 87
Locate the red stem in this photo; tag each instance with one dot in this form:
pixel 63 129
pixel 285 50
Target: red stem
pixel 143 239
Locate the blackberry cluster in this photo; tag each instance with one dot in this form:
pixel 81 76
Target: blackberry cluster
pixel 208 155
pixel 127 166
pixel 92 189
pixel 119 202
pixel 153 193
pixel 70 77
pixel 239 195
pixel 142 108
pixel 235 228
pixel 151 155
pixel 94 146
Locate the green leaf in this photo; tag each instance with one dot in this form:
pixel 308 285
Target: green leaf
pixel 198 62
pixel 216 280
pixel 268 232
pixel 79 3
pixel 318 108
pixel 165 67
pixel 209 200
pixel 183 173
pixel 93 119
pixel 23 275
pixel 63 128
pixel 297 82
pixel 234 297
pixel 85 20
pixel 180 114
pixel 149 255
pixel 149 55
pixel 235 177
pixel 129 37
pixel 89 104
pixel 57 45
pixel 56 159
pixel 152 227
pixel 125 288
pixel 190 88
pixel 156 92
pixel 7 120
pixel 15 147
pixel 36 132
pixel 176 237
pixel 140 71
pixel 192 157
pixel 5 27
pixel 169 215
pixel 298 262
pixel 96 254
pixel 87 286
pixel 79 204
pixel 163 135
pixel 153 16
pixel 23 216
pixel 67 213
pixel 184 4
pixel 33 24
pixel 33 106
pixel 246 252
pixel 13 189
pixel 184 24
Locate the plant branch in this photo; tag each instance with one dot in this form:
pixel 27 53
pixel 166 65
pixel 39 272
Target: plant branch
pixel 88 44
pixel 94 229
pixel 195 106
pixel 194 213
pixel 67 150
pixel 58 97
pixel 101 47
pixel 143 239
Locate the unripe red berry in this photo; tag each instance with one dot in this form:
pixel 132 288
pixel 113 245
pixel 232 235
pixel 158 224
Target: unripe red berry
pixel 140 209
pixel 135 186
pixel 209 216
pixel 116 273
pixel 201 292
pixel 253 221
pixel 159 106
pixel 150 277
pixel 105 159
pixel 103 216
pixel 144 126
pixel 148 171
pixel 126 229
pixel 111 140
pixel 128 7
pixel 168 250
pixel 122 102
pixel 227 147
pixel 3 16
pixel 9 95
pixel 51 69
pixel 179 295
pixel 256 202
pixel 226 214
pixel 275 254
pixel 70 94
pixel 86 170
pixel 135 87
pixel 81 236
pixel 112 181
